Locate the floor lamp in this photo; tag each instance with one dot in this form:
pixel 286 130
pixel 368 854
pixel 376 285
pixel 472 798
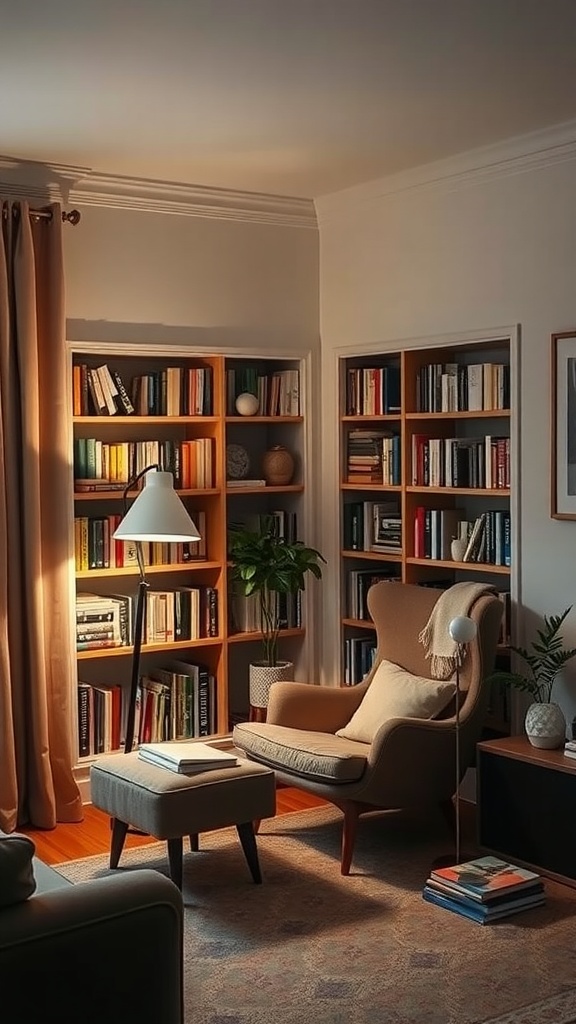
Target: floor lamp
pixel 462 630
pixel 157 514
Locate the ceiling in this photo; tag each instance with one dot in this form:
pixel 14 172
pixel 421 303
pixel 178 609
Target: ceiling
pixel 290 97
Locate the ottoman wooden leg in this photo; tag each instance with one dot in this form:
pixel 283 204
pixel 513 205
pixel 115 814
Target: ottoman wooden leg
pixel 248 840
pixel 119 830
pixel 194 843
pixel 175 861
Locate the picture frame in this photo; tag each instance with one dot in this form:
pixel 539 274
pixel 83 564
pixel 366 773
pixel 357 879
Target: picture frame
pixel 563 423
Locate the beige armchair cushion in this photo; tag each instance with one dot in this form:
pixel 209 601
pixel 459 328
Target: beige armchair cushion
pixel 318 756
pixel 396 693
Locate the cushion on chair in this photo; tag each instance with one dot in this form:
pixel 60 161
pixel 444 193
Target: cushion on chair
pixel 17 881
pixel 396 693
pixel 316 755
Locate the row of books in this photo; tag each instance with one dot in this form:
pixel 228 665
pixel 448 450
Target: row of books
pixel 485 889
pixel 487 537
pixel 372 526
pixel 365 454
pixel 95 547
pixel 373 390
pixel 359 583
pixel 176 702
pixel 359 654
pixel 174 391
pixel 107 621
pixel 279 522
pixel 453 387
pixel 278 394
pixel 461 462
pixel 109 466
pixel 99 391
pixel 245 614
pixel 99 718
pixel 171 391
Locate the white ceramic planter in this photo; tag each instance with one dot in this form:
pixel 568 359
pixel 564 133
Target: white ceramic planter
pixel 545 726
pixel 262 677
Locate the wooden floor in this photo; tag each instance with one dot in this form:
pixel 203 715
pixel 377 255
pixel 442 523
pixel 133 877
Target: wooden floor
pixel 91 836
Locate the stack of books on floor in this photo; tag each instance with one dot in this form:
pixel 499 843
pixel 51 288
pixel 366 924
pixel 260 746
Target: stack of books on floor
pixel 186 758
pixel 485 890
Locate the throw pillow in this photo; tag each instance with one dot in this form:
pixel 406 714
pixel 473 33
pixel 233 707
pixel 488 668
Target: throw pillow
pixel 17 880
pixel 396 693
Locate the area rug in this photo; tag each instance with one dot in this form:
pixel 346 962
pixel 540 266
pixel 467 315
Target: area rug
pixel 311 947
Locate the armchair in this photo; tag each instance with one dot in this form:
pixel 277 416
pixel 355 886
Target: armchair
pixel 410 761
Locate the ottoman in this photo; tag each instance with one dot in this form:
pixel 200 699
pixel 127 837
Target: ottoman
pixel 169 806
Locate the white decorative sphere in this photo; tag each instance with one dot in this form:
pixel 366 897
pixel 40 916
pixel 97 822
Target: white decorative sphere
pixel 462 629
pixel 247 404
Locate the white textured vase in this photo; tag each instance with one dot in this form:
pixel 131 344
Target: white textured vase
pixel 262 677
pixel 545 726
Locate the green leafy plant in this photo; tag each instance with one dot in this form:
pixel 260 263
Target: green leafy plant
pixel 545 659
pixel 268 565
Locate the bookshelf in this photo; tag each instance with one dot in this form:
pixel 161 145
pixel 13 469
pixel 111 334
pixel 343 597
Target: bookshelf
pixel 176 409
pixel 426 455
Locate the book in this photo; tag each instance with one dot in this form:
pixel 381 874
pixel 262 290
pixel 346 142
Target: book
pixel 187 757
pixel 481 914
pixel 245 483
pixel 485 877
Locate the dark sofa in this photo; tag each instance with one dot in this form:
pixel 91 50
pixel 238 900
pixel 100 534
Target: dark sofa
pixel 107 951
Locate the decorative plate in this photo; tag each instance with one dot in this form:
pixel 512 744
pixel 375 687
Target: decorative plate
pixel 237 462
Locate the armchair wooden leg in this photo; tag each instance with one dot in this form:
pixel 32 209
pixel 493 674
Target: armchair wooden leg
pixel 119 830
pixel 351 815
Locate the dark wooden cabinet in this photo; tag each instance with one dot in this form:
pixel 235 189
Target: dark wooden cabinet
pixel 527 805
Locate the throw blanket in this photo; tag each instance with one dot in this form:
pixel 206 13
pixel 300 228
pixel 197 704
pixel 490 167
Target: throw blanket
pixel 443 651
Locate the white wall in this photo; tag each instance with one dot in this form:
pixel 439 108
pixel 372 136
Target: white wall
pixel 180 279
pixel 468 254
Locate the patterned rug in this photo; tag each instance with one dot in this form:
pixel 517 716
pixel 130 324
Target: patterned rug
pixel 311 946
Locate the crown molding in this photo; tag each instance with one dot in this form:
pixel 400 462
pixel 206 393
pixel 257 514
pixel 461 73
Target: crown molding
pixel 148 195
pixel 516 155
pixel 83 186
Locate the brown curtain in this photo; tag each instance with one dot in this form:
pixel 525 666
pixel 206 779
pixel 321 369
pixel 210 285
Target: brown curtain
pixel 37 676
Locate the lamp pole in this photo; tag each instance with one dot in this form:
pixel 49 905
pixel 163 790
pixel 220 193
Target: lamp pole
pixel 157 514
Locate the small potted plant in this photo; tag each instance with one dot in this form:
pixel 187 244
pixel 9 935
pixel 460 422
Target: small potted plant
pixel 268 565
pixel 545 723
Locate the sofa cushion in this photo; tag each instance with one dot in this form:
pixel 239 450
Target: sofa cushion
pixel 17 881
pixel 396 693
pixel 315 755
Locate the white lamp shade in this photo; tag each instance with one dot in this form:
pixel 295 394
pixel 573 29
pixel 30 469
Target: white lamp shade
pixel 157 514
pixel 462 629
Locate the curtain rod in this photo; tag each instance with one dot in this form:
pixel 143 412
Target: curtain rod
pixel 68 216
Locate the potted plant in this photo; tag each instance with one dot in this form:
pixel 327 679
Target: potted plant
pixel 268 565
pixel 545 723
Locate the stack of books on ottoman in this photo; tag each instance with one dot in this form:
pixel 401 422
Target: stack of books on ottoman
pixel 485 890
pixel 186 758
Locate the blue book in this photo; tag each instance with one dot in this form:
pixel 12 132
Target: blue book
pixel 480 913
